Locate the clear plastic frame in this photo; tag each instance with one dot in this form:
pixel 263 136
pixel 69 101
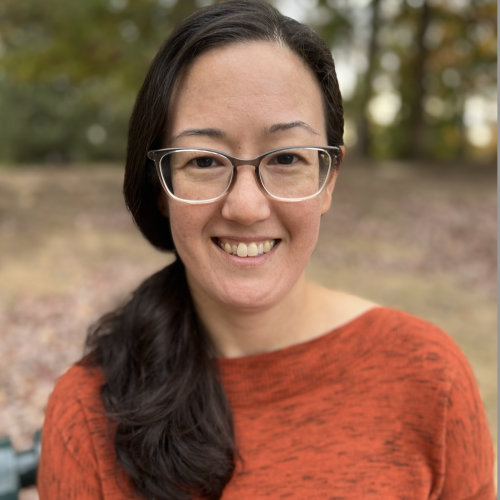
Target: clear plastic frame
pixel 195 175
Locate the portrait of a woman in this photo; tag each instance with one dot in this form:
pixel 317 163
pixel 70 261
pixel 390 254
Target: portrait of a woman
pixel 227 374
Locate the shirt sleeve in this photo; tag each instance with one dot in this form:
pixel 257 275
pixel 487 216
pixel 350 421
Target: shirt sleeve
pixel 469 456
pixel 68 465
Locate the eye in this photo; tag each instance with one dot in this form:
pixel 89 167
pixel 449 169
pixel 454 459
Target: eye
pixel 204 162
pixel 286 159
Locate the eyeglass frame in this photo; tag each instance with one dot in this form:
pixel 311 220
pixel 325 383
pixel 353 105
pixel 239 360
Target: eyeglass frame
pixel 157 155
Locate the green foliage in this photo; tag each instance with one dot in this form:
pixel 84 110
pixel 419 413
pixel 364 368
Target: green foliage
pixel 70 70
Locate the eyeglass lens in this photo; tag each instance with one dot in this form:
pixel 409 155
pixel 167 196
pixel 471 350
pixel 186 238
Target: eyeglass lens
pixel 204 175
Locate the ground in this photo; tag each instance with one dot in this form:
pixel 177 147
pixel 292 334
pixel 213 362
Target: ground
pixel 418 237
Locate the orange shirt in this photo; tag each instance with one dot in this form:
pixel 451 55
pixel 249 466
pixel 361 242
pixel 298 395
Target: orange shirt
pixel 384 407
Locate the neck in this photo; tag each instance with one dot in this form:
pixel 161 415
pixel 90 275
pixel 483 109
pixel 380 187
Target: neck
pixel 243 332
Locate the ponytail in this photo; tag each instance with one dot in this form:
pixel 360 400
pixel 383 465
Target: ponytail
pixel 174 433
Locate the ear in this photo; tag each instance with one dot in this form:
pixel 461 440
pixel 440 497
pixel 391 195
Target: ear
pixel 162 203
pixel 330 183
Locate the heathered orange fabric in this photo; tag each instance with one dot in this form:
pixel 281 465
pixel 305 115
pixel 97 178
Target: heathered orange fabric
pixel 384 407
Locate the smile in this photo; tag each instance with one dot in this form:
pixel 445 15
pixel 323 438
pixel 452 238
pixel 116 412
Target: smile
pixel 253 249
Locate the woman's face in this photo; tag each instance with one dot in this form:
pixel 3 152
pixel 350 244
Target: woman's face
pixel 245 100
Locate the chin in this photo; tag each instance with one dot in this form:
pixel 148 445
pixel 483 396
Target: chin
pixel 250 304
pixel 250 298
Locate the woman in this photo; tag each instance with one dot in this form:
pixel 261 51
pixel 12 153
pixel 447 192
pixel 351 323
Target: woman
pixel 227 375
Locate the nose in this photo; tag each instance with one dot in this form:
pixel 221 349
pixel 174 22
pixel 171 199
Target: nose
pixel 245 202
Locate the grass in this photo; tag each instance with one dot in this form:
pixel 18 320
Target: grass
pixel 412 236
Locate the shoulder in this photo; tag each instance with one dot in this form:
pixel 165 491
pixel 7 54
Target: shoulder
pixel 74 405
pixel 421 343
pixel 421 361
pixel 78 458
pixel 388 331
pixel 440 384
pixel 406 355
pixel 82 380
pixel 430 383
pixel 75 390
pixel 68 465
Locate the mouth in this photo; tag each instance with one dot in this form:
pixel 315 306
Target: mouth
pixel 241 249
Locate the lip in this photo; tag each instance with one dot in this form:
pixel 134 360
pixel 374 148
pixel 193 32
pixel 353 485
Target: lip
pixel 246 261
pixel 243 239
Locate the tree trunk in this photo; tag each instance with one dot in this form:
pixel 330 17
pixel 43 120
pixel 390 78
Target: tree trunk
pixel 417 147
pixel 367 92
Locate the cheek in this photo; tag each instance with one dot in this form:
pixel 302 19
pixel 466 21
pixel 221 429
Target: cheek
pixel 304 221
pixel 185 224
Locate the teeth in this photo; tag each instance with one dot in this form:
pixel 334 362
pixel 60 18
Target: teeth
pixel 251 250
pixel 242 250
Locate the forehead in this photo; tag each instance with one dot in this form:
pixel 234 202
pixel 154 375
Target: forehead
pixel 244 88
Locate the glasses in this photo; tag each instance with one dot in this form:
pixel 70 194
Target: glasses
pixel 202 175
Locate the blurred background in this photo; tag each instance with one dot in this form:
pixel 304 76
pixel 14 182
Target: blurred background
pixel 418 77
pixel 413 224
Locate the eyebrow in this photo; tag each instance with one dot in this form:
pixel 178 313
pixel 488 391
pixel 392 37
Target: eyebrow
pixel 210 132
pixel 220 134
pixel 286 126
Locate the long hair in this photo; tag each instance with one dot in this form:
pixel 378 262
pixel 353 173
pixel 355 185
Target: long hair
pixel 174 430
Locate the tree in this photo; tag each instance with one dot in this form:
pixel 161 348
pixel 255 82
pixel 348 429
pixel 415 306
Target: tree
pixel 70 70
